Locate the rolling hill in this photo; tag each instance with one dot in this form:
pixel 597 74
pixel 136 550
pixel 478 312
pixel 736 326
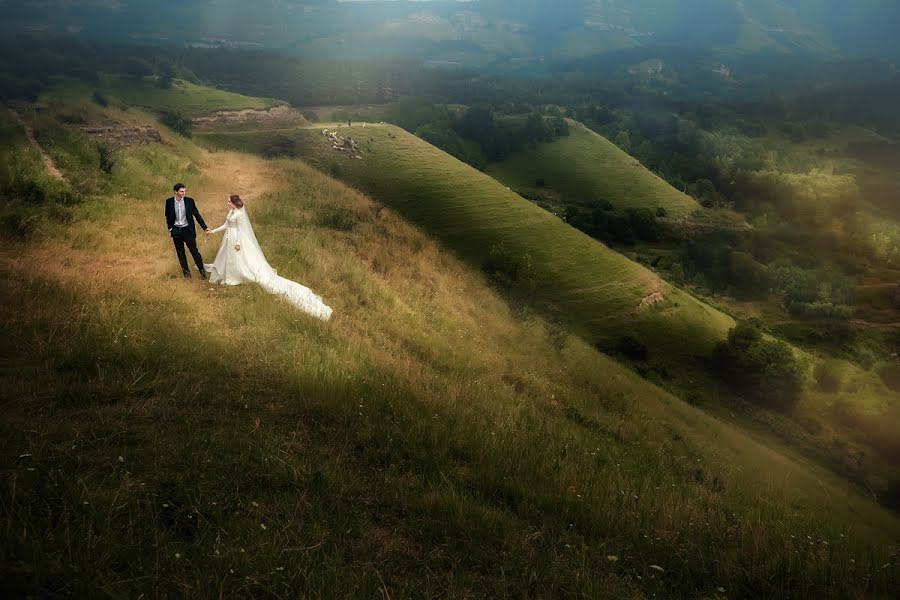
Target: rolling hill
pixel 584 169
pixel 167 437
pixel 596 290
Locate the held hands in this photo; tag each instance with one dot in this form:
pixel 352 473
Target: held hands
pixel 208 232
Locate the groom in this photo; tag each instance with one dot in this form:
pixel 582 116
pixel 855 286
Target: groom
pixel 180 214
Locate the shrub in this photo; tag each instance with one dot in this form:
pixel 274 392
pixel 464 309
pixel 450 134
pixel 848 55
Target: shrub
pixel 100 99
pixel 176 122
pixel 337 218
pixel 107 157
pixel 763 371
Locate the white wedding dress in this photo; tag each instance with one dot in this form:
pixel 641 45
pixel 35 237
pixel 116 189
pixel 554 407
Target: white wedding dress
pixel 233 267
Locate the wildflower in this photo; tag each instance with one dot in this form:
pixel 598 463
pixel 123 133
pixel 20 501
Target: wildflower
pixel 720 589
pixel 263 526
pixel 658 568
pixel 121 459
pixel 255 504
pixel 177 555
pixel 612 558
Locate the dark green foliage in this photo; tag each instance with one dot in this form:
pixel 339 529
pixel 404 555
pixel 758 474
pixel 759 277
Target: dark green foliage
pixel 177 122
pixel 762 370
pixel 100 99
pixel 509 272
pixel 338 218
pixel 107 157
pixel 136 68
pixel 608 225
pixel 166 75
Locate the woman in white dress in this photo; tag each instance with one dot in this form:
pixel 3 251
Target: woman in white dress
pixel 241 260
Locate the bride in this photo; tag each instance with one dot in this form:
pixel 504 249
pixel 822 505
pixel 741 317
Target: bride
pixel 241 260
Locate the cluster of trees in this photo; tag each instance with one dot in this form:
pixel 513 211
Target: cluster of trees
pixel 613 227
pixel 764 371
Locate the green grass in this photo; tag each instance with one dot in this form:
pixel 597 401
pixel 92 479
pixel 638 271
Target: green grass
pixel 170 438
pixel 585 168
pixel 591 286
pixel 184 97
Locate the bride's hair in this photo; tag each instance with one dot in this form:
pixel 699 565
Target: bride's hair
pixel 236 200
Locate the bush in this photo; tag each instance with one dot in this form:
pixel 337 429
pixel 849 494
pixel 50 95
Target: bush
pixel 100 99
pixel 337 218
pixel 176 122
pixel 763 371
pixel 107 157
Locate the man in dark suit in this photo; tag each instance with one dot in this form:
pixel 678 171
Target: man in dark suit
pixel 180 214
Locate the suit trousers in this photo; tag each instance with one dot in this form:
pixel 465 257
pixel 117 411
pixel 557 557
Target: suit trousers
pixel 182 237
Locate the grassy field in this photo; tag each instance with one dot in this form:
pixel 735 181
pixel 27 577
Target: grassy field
pixel 169 438
pixel 585 168
pixel 183 97
pixel 594 289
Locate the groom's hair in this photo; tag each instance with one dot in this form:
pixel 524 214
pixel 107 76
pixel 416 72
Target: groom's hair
pixel 177 187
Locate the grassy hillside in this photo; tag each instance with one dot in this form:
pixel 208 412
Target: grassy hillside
pixel 183 97
pixel 585 168
pixel 583 281
pixel 167 437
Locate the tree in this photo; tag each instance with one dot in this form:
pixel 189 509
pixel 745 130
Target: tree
pixel 137 68
pixel 623 140
pixel 764 371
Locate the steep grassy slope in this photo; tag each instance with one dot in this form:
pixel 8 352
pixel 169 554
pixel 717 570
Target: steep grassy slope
pixel 167 437
pixel 423 373
pixel 585 168
pixel 597 290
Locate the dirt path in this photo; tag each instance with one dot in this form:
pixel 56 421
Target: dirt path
pixel 133 252
pixel 48 162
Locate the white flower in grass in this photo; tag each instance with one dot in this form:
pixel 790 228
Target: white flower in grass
pixel 263 526
pixel 658 568
pixel 612 558
pixel 177 555
pixel 720 589
pixel 255 504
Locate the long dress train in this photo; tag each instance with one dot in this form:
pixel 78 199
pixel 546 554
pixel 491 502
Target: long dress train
pixel 233 267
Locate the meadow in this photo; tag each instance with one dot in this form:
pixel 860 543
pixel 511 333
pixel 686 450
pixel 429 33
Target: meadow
pixel 170 438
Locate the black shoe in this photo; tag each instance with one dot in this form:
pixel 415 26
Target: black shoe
pixel 204 275
pixel 186 274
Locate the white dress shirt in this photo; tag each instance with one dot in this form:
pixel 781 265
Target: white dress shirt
pixel 180 214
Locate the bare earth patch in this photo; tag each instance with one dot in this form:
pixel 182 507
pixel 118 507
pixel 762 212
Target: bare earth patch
pixel 281 115
pixel 124 135
pixel 651 299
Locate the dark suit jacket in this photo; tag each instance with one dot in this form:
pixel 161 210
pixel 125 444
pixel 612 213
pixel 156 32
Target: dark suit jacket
pixel 190 208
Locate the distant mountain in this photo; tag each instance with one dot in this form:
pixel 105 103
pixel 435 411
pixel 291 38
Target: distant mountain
pixel 480 31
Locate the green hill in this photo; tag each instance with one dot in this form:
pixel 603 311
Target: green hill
pixel 592 287
pixel 166 437
pixel 585 168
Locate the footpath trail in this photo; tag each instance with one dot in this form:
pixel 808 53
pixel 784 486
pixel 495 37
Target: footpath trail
pixel 132 252
pixel 48 162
